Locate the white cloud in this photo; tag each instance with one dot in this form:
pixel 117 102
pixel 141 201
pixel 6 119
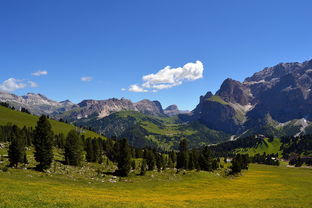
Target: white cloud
pixel 13 84
pixel 169 77
pixel 86 79
pixel 123 89
pixel 136 88
pixel 32 84
pixel 39 73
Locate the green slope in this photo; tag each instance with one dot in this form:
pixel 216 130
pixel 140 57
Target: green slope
pixel 152 131
pixel 23 119
pixel 265 146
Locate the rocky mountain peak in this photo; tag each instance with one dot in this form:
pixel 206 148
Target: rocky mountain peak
pixel 172 107
pixel 234 91
pixel 149 107
pixel 172 110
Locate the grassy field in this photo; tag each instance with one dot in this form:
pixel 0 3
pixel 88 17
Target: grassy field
pixel 23 119
pixel 266 146
pixel 260 186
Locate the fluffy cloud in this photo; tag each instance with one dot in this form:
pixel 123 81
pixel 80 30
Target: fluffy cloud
pixel 169 77
pixel 13 84
pixel 86 79
pixel 136 88
pixel 39 73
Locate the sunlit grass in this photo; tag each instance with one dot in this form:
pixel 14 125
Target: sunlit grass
pixel 23 119
pixel 261 186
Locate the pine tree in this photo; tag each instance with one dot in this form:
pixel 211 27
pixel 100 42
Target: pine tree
pixel 43 142
pixel 172 159
pixel 73 149
pixel 16 151
pixel 133 165
pixel 143 167
pixel 191 163
pixel 96 150
pixel 150 159
pixel 124 158
pixel 89 150
pixel 183 155
pixel 205 159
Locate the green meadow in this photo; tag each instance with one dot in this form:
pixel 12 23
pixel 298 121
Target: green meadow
pixel 260 186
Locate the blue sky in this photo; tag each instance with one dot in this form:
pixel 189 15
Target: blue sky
pixel 116 43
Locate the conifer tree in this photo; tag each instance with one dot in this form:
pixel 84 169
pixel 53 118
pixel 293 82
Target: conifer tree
pixel 43 143
pixel 16 151
pixel 89 150
pixel 143 167
pixel 73 149
pixel 150 159
pixel 205 159
pixel 183 155
pixel 96 150
pixel 123 158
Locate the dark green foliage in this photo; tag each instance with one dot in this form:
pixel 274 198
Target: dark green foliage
pixel 138 153
pixel 160 161
pixel 16 151
pixel 43 143
pixel 124 158
pixel 59 140
pixel 73 149
pixel 295 159
pixel 150 159
pixel 205 159
pixel 270 159
pixel 183 155
pixel 96 150
pixel 133 165
pixel 239 162
pixel 298 145
pixel 226 148
pixel 172 158
pixel 89 150
pixel 143 167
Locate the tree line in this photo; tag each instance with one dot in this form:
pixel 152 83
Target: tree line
pixel 75 146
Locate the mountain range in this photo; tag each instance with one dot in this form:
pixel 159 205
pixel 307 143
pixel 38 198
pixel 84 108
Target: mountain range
pixel 274 101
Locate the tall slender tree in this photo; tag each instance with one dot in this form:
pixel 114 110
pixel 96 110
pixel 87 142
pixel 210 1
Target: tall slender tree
pixel 183 155
pixel 73 149
pixel 143 167
pixel 16 151
pixel 124 158
pixel 43 143
pixel 89 150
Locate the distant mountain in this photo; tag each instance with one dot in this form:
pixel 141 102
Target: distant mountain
pixel 173 110
pixel 98 109
pixel 274 102
pixel 282 92
pixel 37 103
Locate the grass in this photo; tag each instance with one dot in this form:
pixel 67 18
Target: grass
pixel 23 119
pixel 260 186
pixel 218 99
pixel 91 186
pixel 265 146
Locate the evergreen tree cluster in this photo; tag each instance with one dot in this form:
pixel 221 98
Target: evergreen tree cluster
pixel 267 159
pixel 239 162
pixel 298 160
